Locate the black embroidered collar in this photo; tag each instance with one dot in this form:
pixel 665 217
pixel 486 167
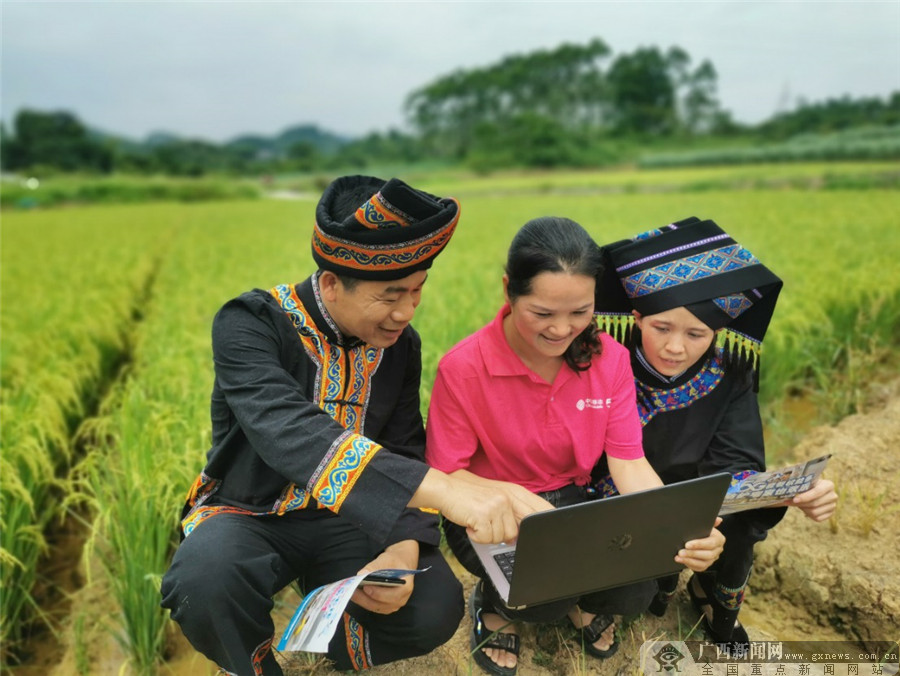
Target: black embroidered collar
pixel 648 375
pixel 309 294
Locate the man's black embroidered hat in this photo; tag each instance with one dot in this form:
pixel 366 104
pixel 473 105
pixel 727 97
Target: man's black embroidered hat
pixel 394 231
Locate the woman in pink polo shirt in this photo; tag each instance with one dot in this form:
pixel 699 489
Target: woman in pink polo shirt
pixel 535 398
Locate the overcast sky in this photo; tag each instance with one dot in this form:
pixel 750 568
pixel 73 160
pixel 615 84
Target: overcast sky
pixel 215 70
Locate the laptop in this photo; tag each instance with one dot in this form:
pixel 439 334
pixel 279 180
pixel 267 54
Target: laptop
pixel 570 551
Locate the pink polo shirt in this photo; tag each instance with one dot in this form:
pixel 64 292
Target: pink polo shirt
pixel 492 415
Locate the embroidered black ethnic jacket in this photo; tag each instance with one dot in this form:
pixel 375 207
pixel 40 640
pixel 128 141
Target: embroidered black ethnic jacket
pixel 305 418
pixel 699 423
pixel 704 421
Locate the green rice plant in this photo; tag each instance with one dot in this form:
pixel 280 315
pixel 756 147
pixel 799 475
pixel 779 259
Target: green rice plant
pixel 150 440
pixel 844 391
pixel 835 359
pixel 865 181
pixel 67 288
pixel 132 538
pixel 82 663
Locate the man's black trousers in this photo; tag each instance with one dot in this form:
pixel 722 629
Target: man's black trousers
pixel 220 585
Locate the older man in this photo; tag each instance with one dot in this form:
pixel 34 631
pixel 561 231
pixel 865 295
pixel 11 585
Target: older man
pixel 316 470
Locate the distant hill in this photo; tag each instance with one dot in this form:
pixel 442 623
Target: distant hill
pixel 152 140
pixel 122 142
pixel 161 138
pixel 325 142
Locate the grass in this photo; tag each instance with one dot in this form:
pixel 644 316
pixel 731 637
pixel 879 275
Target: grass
pixel 133 289
pixel 861 508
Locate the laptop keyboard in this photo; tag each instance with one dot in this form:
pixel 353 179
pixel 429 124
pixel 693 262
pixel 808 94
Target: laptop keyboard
pixel 506 560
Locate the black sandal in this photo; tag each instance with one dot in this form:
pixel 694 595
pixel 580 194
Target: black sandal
pixel 725 627
pixel 593 632
pixel 481 637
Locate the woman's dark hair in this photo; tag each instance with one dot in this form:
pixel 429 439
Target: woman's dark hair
pixel 555 244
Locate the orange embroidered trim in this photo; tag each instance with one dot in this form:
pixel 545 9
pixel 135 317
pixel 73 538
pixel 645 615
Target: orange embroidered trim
pixel 343 470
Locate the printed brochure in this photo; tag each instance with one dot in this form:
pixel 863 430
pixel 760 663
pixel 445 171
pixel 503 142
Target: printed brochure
pixel 764 489
pixel 317 616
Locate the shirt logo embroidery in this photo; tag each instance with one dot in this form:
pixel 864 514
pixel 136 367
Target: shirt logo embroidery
pixel 582 404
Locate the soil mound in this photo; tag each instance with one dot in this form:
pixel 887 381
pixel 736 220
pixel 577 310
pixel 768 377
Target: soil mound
pixel 845 574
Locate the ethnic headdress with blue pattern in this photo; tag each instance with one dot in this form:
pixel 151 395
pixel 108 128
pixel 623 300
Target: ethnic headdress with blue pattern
pixel 389 232
pixel 693 264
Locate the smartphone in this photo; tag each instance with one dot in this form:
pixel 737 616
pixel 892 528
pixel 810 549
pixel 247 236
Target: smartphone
pixel 382 580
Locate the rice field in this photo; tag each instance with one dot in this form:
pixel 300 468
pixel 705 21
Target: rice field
pixel 873 143
pixel 106 313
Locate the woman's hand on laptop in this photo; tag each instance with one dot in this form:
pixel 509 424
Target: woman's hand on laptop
pixel 700 554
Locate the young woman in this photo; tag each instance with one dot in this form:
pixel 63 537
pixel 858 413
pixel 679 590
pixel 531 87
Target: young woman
pixel 505 407
pixel 693 307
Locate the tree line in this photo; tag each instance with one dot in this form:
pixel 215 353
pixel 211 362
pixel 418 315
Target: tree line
pixel 561 106
pixel 573 105
pixel 59 141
